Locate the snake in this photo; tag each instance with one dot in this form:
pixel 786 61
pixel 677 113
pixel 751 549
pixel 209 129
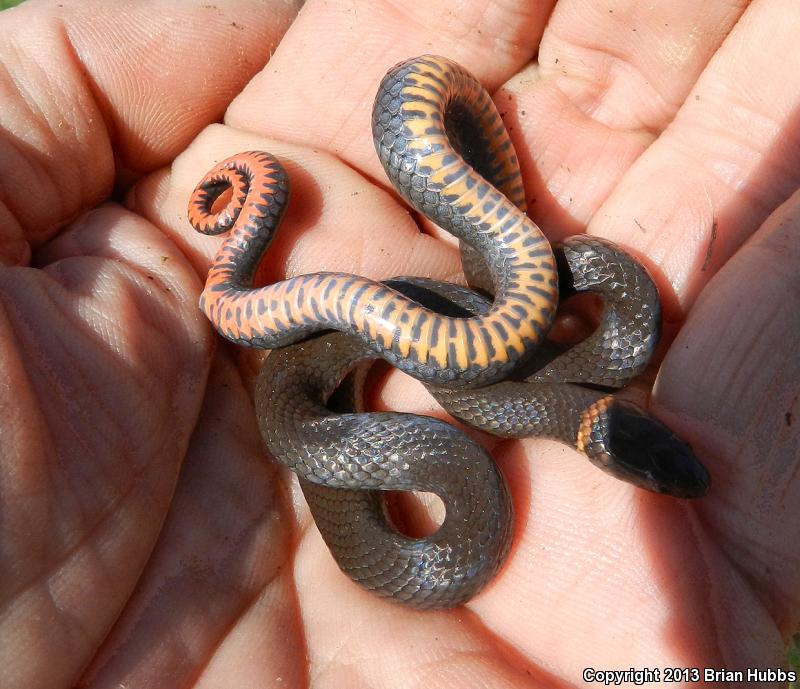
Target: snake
pixel 482 351
pixel 470 186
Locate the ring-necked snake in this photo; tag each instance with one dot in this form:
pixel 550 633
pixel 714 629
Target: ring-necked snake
pixel 416 103
pixel 443 145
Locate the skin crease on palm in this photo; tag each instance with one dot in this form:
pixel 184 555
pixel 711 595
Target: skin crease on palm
pixel 144 539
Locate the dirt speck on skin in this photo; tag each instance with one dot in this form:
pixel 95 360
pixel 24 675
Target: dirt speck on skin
pixel 710 249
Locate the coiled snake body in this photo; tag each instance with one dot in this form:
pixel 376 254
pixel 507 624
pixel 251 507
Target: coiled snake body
pixel 444 147
pixel 416 102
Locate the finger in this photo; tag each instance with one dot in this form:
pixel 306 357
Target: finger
pixel 323 78
pixel 725 163
pixel 608 80
pixel 217 598
pixel 108 356
pixel 731 383
pixel 94 85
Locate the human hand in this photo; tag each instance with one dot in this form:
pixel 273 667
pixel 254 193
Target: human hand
pixel 109 354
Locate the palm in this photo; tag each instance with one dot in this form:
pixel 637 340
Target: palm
pixel 226 583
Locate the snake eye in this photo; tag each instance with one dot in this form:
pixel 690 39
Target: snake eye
pixel 643 451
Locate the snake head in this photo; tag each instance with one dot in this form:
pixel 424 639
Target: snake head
pixel 631 445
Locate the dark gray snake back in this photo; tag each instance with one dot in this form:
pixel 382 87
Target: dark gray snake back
pixel 345 460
